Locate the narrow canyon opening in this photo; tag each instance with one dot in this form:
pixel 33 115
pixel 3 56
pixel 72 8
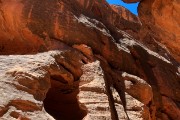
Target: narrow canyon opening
pixel 61 102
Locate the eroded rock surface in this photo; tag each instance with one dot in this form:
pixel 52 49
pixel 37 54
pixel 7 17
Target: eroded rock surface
pixel 24 82
pixel 162 18
pixel 99 67
pixel 102 102
pixel 160 21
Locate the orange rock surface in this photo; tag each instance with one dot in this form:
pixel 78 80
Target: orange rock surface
pixel 160 19
pixel 85 59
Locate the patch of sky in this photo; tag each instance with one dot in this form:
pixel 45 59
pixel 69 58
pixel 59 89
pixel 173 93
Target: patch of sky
pixel 131 6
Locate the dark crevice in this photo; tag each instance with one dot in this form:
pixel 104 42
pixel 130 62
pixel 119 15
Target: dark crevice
pixel 111 99
pixel 119 85
pixel 83 61
pixel 62 103
pixel 66 68
pixel 121 92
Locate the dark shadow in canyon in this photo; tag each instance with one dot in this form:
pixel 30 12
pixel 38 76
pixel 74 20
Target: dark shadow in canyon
pixel 61 102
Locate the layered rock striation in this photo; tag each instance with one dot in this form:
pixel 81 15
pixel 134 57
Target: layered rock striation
pixel 84 59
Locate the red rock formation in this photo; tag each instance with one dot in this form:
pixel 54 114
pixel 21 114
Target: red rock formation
pixel 160 19
pixel 126 14
pixel 99 68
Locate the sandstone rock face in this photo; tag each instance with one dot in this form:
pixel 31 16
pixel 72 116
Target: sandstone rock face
pixel 24 83
pixel 36 26
pixel 160 19
pixel 126 14
pixel 27 79
pixel 95 97
pixel 92 65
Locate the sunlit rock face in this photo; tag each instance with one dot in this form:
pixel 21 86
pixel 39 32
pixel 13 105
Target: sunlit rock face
pixel 126 14
pixel 32 26
pixel 82 59
pixel 160 20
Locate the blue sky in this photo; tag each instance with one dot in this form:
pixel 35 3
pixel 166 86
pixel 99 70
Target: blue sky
pixel 131 7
